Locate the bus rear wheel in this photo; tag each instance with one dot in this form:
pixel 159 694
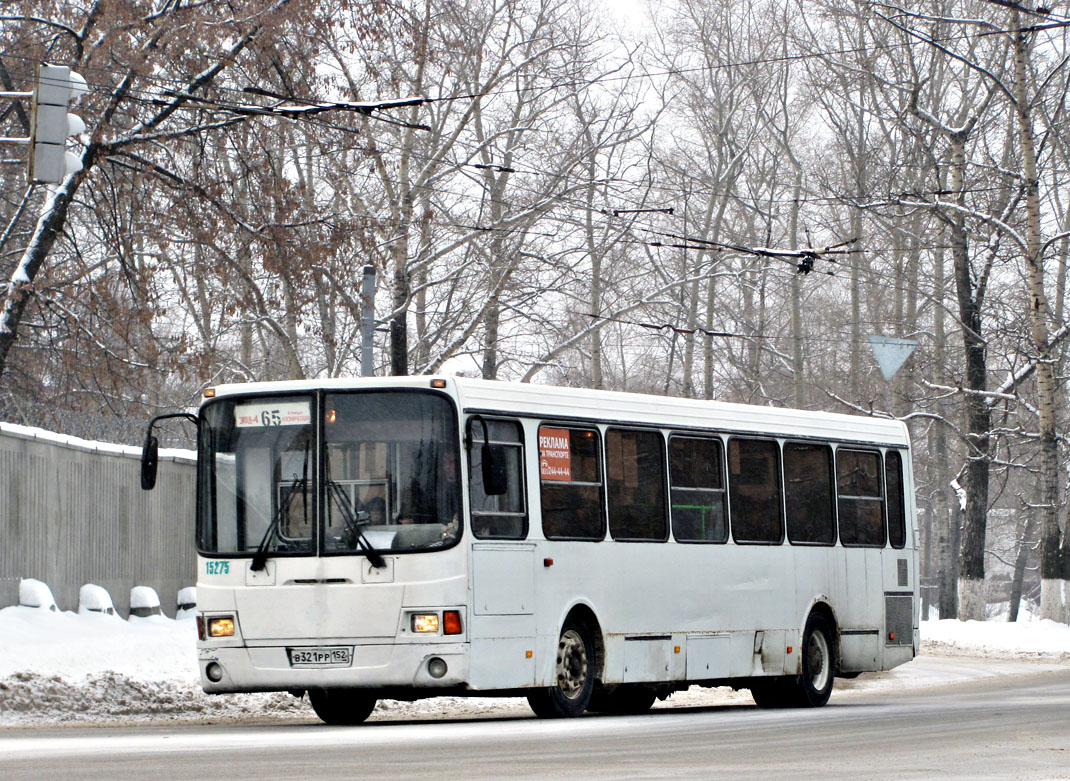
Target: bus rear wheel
pixel 574 682
pixel 813 687
pixel 341 707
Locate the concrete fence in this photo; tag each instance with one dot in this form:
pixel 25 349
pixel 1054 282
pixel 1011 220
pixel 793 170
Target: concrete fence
pixel 72 512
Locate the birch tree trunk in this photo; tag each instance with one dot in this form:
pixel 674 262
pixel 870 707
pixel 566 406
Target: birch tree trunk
pixel 1053 602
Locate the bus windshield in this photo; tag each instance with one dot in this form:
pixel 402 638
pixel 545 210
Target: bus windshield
pixel 392 465
pixel 256 483
pixel 381 473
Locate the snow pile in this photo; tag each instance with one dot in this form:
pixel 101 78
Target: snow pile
pixel 60 667
pixel 144 602
pixel 94 599
pixel 95 667
pixel 1040 639
pixel 187 603
pixel 72 645
pixel 34 593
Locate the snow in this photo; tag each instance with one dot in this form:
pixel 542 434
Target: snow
pixel 34 593
pixel 187 603
pixel 30 432
pixel 63 667
pixel 144 597
pixel 94 599
pixel 1031 639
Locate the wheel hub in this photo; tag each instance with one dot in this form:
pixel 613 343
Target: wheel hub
pixel 818 663
pixel 571 664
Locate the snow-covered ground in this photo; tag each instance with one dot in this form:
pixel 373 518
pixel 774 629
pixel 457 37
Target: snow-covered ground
pixel 63 667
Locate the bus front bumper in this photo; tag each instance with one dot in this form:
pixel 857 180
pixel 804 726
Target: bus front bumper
pixel 228 669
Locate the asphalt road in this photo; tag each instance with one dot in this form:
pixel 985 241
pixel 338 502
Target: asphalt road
pixel 1004 727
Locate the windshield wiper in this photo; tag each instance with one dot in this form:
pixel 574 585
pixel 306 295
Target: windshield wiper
pixel 352 522
pixel 261 555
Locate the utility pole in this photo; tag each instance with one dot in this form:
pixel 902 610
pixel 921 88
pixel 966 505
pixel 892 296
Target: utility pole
pixel 367 325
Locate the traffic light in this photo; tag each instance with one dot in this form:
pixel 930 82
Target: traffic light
pixel 50 125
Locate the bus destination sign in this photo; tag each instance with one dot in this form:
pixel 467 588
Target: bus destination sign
pixel 291 413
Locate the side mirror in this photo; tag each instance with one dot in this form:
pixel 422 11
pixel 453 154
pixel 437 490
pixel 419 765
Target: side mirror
pixel 150 459
pixel 150 452
pixel 495 477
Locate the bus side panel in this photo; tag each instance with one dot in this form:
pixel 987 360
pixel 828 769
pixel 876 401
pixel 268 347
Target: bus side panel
pixel 648 597
pixel 863 610
pixel 820 577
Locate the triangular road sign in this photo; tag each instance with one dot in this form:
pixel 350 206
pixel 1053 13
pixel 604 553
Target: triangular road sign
pixel 891 353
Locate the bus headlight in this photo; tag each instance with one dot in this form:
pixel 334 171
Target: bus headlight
pixel 425 622
pixel 221 626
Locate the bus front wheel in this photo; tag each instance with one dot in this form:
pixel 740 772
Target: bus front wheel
pixel 574 680
pixel 341 707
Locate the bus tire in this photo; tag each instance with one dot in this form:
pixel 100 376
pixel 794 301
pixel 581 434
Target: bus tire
pixel 814 686
pixel 341 707
pixel 575 673
pixel 810 689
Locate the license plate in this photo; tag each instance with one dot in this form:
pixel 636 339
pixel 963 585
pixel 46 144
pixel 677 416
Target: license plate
pixel 321 656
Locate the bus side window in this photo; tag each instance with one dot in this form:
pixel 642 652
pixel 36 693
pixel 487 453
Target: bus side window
pixel 635 467
pixel 503 516
pixel 893 482
pixel 696 474
pixel 570 473
pixel 859 499
pixel 754 490
pixel 808 493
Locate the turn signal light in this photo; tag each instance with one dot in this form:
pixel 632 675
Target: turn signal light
pixel 438 384
pixel 209 393
pixel 221 627
pixel 200 628
pixel 451 622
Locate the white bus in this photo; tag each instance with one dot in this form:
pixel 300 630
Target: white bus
pixel 413 537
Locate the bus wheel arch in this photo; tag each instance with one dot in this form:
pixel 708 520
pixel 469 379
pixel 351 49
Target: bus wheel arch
pixel 825 611
pixel 578 666
pixel 584 613
pixel 812 686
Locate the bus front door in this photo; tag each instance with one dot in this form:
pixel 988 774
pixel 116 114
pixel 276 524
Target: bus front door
pixel 502 625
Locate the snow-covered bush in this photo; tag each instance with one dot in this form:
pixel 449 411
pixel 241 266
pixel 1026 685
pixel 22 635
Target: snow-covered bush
pixel 144 602
pixel 95 599
pixel 35 593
